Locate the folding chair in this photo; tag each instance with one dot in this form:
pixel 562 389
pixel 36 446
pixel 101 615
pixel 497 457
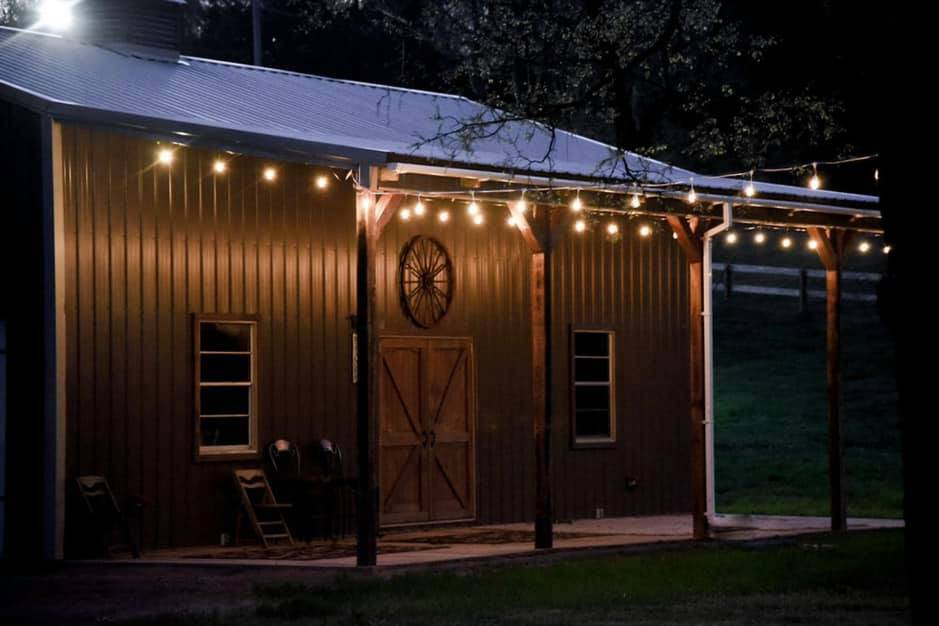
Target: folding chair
pixel 262 509
pixel 105 513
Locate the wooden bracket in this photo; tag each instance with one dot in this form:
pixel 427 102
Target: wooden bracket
pixel 830 245
pixel 534 236
pixel 689 236
pixel 385 209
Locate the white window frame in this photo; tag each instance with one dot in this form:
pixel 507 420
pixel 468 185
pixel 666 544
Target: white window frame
pixel 594 441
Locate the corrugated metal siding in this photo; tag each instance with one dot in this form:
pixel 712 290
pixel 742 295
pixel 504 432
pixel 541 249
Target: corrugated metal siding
pixel 147 247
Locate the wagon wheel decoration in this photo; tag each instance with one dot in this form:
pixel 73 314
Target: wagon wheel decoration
pixel 425 277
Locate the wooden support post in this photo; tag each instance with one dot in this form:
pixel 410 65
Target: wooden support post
pixel 689 237
pixel 830 246
pixel 539 238
pixel 366 390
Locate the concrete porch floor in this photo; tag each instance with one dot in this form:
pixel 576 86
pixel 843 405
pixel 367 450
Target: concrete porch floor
pixel 404 548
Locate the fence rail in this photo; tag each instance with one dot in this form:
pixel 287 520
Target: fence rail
pixel 727 282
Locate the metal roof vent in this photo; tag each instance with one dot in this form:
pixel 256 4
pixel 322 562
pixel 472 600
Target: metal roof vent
pixel 147 28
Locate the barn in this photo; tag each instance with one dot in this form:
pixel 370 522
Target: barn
pixel 202 257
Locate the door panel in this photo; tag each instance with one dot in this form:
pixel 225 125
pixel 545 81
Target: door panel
pixel 427 432
pixel 402 453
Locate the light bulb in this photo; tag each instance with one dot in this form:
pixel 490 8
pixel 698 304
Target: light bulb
pixel 322 182
pixel 510 221
pixel 759 237
pixel 165 156
pixel 749 191
pixel 56 15
pixel 270 174
pixel 692 196
pixel 815 182
pixel 404 214
pixel 674 235
pixel 887 249
pixel 813 245
pixel 220 166
pixel 521 206
pixel 478 219
pixel 635 202
pixel 419 208
pixel 612 228
pixel 786 242
pixel 731 238
pixel 576 204
pixel 645 230
pixel 864 246
pixel 472 208
pixel 444 216
pixel 580 226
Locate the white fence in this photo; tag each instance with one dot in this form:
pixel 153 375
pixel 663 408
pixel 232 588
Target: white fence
pixel 725 279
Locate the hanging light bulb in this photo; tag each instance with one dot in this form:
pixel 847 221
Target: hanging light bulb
pixel 419 208
pixel 692 196
pixel 815 182
pixel 322 182
pixel 887 249
pixel 576 204
pixel 750 191
pixel 731 238
pixel 478 219
pixel 864 247
pixel 876 175
pixel 220 166
pixel 270 174
pixel 444 216
pixel 813 245
pixel 472 208
pixel 759 237
pixel 580 226
pixel 786 242
pixel 645 230
pixel 612 228
pixel 635 201
pixel 404 214
pixel 521 206
pixel 165 156
pixel 674 235
pixel 511 221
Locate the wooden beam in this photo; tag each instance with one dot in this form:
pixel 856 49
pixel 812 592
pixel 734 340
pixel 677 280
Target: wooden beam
pixel 366 221
pixel 535 240
pixel 541 394
pixel 824 247
pixel 386 207
pixel 685 229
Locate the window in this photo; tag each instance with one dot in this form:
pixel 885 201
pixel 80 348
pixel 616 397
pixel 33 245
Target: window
pixel 226 392
pixel 592 392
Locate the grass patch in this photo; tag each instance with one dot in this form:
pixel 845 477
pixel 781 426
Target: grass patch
pixel 856 568
pixel 771 412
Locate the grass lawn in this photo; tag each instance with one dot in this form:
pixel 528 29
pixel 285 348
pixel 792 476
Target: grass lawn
pixel 814 579
pixel 770 403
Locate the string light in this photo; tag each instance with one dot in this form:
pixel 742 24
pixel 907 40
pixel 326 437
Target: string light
pixel 815 182
pixel 750 191
pixel 511 221
pixel 220 166
pixel 612 228
pixel 580 226
pixel 645 230
pixel 322 182
pixel 419 208
pixel 404 214
pixel 731 238
pixel 759 237
pixel 270 174
pixel 674 235
pixel 813 245
pixel 876 175
pixel 576 204
pixel 636 200
pixel 473 208
pixel 786 242
pixel 692 196
pixel 887 249
pixel 864 247
pixel 521 206
pixel 165 156
pixel 444 216
pixel 478 219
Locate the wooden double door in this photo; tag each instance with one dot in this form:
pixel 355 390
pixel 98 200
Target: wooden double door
pixel 427 430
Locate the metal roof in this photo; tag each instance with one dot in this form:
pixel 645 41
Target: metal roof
pixel 355 121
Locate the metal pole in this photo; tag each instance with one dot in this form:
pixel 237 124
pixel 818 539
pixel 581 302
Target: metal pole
pixel 257 53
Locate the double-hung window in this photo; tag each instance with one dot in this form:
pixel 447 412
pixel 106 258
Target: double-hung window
pixel 592 387
pixel 226 386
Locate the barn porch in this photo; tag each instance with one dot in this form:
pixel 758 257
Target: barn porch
pixel 451 545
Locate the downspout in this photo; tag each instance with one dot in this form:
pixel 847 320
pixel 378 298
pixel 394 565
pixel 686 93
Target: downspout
pixel 707 315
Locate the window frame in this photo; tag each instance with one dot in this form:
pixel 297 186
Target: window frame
pixel 252 450
pixel 593 442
